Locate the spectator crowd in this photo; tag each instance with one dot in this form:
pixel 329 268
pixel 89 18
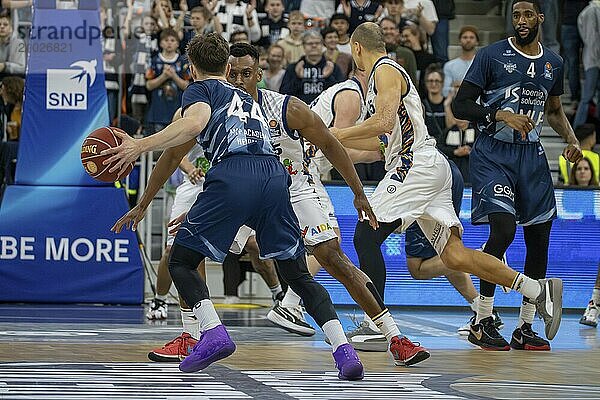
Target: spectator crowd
pixel 305 48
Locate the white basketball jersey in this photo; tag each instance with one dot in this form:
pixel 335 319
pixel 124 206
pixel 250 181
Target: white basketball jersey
pixel 323 106
pixel 286 143
pixel 410 132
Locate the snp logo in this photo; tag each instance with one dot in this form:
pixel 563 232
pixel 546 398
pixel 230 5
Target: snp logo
pixel 67 89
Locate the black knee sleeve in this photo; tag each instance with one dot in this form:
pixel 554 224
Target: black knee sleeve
pixel 537 241
pixel 183 264
pixel 316 299
pixel 502 232
pixel 367 243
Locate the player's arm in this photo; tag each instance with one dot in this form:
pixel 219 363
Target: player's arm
pixel 303 119
pixel 557 119
pixel 465 107
pixel 177 133
pixel 168 162
pixel 390 84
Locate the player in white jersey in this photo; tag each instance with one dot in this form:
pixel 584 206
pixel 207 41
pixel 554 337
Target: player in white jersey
pixel 290 120
pixel 417 185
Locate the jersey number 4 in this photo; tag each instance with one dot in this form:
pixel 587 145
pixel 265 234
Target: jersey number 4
pixel 236 108
pixel 531 70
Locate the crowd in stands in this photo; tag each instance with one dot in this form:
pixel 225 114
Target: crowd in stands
pixel 305 48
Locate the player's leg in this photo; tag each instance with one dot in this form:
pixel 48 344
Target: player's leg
pixel 547 293
pixel 180 347
pixel 278 236
pixel 590 316
pixel 158 305
pixel 537 241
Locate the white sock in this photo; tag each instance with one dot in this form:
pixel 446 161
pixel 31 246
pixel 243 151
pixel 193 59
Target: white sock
pixel 484 307
pixel 291 299
pixel 190 323
pixel 474 303
pixel 161 297
pixel 527 313
pixel 334 332
pixel 207 315
pixel 526 286
pixel 371 323
pixel 387 326
pixel 596 295
pixel 275 291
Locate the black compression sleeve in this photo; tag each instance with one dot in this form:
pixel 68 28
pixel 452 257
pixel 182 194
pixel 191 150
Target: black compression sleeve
pixel 465 105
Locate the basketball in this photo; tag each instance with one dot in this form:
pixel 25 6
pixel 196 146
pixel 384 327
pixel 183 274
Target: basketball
pixel 96 142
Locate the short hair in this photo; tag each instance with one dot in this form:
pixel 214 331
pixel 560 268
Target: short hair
pixel 339 16
pixel 389 19
pixel 433 68
pixel 536 4
pixel 208 53
pixel 584 131
pixel 276 46
pixel 296 14
pixel 6 14
pixel 469 28
pixel 202 10
pixel 370 36
pixel 13 87
pixel 415 30
pixel 237 33
pixel 268 1
pixel 244 49
pixel 327 30
pixel 169 32
pixel 312 34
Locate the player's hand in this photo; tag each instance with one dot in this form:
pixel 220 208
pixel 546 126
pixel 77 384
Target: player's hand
pixel 364 208
pixel 130 220
pixel 127 152
pixel 519 122
pixel 195 175
pixel 572 152
pixel 174 225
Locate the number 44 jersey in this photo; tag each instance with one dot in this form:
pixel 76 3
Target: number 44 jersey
pixel 517 82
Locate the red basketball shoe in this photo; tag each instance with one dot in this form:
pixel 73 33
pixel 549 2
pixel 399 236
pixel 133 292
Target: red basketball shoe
pixel 406 352
pixel 174 351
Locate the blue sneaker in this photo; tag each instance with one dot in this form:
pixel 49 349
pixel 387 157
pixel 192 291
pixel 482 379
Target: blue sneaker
pixel 348 363
pixel 214 345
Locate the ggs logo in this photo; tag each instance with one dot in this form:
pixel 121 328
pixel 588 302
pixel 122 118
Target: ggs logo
pixel 66 89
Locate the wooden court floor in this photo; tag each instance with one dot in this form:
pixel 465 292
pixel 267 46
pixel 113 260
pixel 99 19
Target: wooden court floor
pixel 87 352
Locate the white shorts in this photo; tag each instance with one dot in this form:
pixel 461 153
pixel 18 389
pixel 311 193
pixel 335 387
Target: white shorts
pixel 326 202
pixel 314 226
pixel 185 196
pixel 425 196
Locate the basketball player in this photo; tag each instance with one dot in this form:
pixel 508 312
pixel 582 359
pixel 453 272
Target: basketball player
pixel 417 185
pixel 341 106
pixel 518 81
pixel 246 184
pixel 177 349
pixel 290 121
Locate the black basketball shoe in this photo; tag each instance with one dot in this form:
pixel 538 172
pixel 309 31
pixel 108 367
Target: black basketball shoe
pixel 485 335
pixel 524 338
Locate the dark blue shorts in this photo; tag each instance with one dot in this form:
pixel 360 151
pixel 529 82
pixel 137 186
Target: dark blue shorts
pixel 243 190
pixel 511 178
pixel 416 243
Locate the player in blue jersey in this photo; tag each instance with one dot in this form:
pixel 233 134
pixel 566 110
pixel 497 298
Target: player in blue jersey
pixel 519 82
pixel 246 185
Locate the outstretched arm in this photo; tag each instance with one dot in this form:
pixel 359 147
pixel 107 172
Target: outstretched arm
pixel 303 119
pixel 558 121
pixel 177 133
pixel 390 84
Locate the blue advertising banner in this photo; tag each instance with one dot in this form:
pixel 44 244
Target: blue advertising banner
pixel 55 239
pixel 55 252
pixel 574 253
pixel 65 97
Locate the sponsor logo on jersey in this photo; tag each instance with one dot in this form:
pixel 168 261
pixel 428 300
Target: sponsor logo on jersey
pixel 510 67
pixel 274 128
pixel 504 191
pixel 289 165
pixel 315 230
pixel 508 53
pixel 548 71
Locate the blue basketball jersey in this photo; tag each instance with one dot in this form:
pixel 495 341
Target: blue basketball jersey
pixel 516 82
pixel 237 124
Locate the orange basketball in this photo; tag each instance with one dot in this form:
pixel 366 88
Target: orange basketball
pixel 97 141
